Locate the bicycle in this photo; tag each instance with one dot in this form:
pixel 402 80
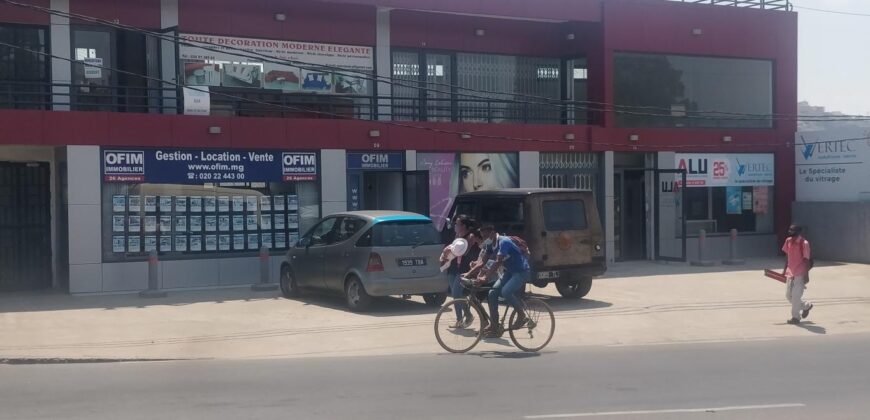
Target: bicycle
pixel 531 336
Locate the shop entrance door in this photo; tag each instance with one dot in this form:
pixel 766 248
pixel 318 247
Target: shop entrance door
pixel 630 209
pixel 382 191
pixel 25 226
pixel 407 191
pixel 416 192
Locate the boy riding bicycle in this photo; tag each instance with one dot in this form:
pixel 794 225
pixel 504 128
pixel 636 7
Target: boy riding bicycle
pixel 513 280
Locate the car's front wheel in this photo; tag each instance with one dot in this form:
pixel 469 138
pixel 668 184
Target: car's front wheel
pixel 574 289
pixel 289 287
pixel 358 299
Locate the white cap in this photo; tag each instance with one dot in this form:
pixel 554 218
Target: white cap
pixel 459 247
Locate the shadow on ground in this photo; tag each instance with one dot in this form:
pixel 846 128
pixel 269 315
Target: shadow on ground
pixel 656 268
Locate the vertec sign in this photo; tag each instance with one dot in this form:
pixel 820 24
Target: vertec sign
pixel 726 169
pixel 833 165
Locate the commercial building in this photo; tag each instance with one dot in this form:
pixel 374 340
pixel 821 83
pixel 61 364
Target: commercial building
pixel 204 129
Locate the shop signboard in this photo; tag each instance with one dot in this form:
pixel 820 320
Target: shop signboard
pixel 191 166
pixel 726 169
pixel 353 57
pixel 289 66
pixel 376 161
pixel 833 165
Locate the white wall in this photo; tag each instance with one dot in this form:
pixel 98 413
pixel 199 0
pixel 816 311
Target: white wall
pixel 383 60
pixel 333 164
pixel 609 229
pixel 530 169
pixel 61 46
pixel 85 224
pixel 168 60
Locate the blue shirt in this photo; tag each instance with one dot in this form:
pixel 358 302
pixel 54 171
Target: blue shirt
pixel 514 260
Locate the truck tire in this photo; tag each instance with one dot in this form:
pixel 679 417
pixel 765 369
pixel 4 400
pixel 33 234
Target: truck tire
pixel 574 289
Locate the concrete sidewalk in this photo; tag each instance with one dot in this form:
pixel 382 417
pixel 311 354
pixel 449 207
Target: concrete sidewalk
pixel 639 303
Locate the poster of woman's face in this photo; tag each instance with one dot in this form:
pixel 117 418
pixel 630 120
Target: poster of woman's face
pixel 487 171
pixel 450 174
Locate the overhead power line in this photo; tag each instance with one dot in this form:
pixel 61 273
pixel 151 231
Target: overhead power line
pixel 542 101
pixel 836 12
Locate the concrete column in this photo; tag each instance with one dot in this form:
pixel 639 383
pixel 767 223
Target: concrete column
pixel 530 169
pixel 410 160
pixel 667 211
pixel 383 62
pixel 85 223
pixel 168 59
pixel 61 46
pixel 609 232
pixel 334 180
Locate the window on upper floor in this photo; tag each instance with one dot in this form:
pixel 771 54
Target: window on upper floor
pixel 655 90
pixel 24 76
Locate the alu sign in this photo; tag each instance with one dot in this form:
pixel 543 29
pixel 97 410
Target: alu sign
pixel 726 169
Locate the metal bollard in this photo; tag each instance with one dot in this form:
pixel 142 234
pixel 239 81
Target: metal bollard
pixel 153 283
pixel 732 260
pixel 702 245
pixel 265 283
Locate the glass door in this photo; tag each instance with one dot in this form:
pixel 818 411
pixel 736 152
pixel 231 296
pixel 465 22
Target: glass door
pixel 416 192
pixel 93 51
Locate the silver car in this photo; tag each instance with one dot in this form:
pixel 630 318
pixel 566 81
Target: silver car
pixel 365 254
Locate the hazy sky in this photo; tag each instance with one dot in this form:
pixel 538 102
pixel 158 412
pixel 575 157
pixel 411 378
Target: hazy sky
pixel 834 57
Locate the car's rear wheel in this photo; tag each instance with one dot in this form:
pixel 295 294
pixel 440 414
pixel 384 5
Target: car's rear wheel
pixel 358 299
pixel 289 287
pixel 435 299
pixel 574 289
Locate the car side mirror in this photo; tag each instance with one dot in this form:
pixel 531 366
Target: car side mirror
pixel 303 242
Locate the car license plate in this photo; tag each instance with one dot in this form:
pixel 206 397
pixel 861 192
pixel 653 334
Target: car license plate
pixel 548 275
pixel 411 262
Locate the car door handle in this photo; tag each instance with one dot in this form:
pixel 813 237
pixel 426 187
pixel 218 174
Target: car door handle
pixel 346 254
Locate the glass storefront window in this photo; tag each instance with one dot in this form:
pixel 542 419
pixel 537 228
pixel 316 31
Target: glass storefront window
pixel 672 90
pixel 204 221
pixel 535 76
pixel 709 209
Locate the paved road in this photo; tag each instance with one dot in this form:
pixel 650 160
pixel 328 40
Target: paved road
pixel 821 377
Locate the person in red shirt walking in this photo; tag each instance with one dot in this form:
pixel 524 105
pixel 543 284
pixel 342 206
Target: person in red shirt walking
pixel 797 267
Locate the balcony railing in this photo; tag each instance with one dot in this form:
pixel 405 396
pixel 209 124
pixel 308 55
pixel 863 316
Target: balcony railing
pixel 753 4
pixel 247 103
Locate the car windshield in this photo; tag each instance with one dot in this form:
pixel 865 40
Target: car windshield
pixel 404 233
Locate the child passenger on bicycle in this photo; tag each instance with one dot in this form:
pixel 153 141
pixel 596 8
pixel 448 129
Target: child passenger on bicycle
pixel 511 283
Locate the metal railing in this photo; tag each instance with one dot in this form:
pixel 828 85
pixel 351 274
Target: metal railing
pixel 753 4
pixel 259 103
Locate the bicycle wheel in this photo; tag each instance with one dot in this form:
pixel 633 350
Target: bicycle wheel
pixel 463 338
pixel 538 330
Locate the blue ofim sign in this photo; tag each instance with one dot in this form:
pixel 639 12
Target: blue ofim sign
pixel 376 161
pixel 192 166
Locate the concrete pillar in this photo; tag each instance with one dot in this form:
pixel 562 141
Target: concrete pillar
pixel 168 59
pixel 333 181
pixel 61 46
pixel 530 169
pixel 609 232
pixel 410 160
pixel 667 211
pixel 383 62
pixel 85 223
